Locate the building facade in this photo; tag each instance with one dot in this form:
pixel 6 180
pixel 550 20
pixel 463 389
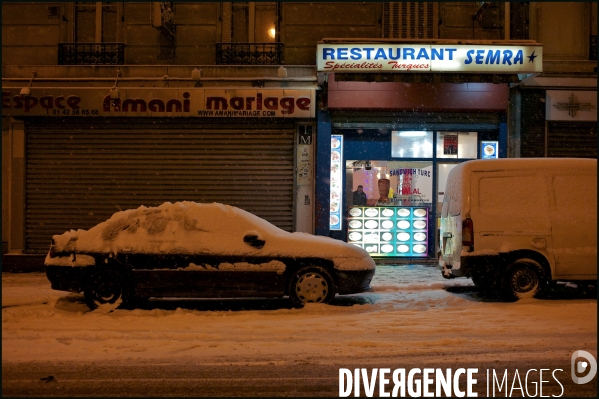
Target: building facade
pixel 110 106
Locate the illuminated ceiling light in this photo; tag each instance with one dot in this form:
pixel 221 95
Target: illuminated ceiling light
pixel 412 134
pixel 272 33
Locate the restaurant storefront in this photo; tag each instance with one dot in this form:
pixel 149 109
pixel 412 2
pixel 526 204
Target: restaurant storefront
pixel 79 155
pixel 397 133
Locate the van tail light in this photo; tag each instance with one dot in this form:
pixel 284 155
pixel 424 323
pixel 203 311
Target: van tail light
pixel 52 253
pixel 467 233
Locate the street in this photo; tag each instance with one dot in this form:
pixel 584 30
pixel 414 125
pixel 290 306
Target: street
pixel 53 346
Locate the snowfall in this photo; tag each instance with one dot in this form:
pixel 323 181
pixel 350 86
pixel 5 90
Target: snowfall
pixel 411 312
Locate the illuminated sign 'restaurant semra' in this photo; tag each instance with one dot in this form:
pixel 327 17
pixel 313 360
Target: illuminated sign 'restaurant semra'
pixel 352 57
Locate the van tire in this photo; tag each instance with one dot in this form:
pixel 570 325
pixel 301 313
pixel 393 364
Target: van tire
pixel 523 278
pixel 485 282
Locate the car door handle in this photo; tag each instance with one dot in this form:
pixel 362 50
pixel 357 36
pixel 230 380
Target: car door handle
pixel 254 241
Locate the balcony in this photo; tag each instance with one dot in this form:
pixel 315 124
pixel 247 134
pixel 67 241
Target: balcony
pixel 91 53
pixel 249 53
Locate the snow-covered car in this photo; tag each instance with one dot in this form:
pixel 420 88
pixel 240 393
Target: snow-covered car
pixel 193 250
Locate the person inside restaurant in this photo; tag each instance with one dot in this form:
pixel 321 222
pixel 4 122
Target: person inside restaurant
pixel 359 197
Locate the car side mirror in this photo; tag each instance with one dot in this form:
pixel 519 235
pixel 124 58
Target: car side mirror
pixel 254 241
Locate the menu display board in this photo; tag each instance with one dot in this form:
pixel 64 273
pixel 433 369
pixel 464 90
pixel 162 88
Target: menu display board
pixel 336 176
pixel 389 231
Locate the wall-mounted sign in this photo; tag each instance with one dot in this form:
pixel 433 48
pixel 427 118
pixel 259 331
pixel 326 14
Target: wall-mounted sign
pixel 336 198
pixel 565 105
pixel 489 149
pixel 153 102
pixel 468 58
pixel 389 231
pixel 304 178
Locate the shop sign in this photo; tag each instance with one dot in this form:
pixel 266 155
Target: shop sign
pixel 564 105
pixel 304 189
pixel 152 102
pixel 305 161
pixel 489 149
pixel 467 58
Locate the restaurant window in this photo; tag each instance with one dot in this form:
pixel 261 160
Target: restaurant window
pixel 410 182
pixel 411 144
pixel 457 144
pixel 95 22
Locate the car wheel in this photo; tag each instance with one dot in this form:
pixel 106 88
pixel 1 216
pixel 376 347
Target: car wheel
pixel 523 279
pixel 107 290
pixel 588 288
pixel 312 284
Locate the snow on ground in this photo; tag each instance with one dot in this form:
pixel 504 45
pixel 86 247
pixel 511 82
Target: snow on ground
pixel 412 311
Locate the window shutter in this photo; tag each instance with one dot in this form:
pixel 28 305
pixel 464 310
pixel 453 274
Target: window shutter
pixel 226 22
pixel 410 20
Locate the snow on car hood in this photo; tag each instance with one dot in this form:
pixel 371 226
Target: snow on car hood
pixel 195 228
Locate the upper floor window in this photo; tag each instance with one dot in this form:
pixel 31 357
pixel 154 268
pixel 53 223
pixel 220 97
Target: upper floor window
pixel 251 22
pixel 250 34
pixel 94 36
pixel 96 22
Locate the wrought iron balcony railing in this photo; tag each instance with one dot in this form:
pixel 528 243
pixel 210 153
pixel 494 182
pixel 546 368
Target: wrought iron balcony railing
pixel 91 53
pixel 249 53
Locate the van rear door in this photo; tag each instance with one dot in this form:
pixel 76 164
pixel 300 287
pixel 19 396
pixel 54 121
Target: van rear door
pixel 510 210
pixel 574 217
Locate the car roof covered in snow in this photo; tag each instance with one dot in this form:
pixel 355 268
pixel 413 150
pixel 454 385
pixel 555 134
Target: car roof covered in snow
pixel 526 163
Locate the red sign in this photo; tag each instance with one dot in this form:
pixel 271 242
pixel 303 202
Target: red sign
pixel 187 102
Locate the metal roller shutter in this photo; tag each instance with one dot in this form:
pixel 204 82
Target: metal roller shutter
pixel 532 136
pixel 572 139
pixel 80 173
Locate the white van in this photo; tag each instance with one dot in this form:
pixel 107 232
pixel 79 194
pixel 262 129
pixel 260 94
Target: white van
pixel 518 224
